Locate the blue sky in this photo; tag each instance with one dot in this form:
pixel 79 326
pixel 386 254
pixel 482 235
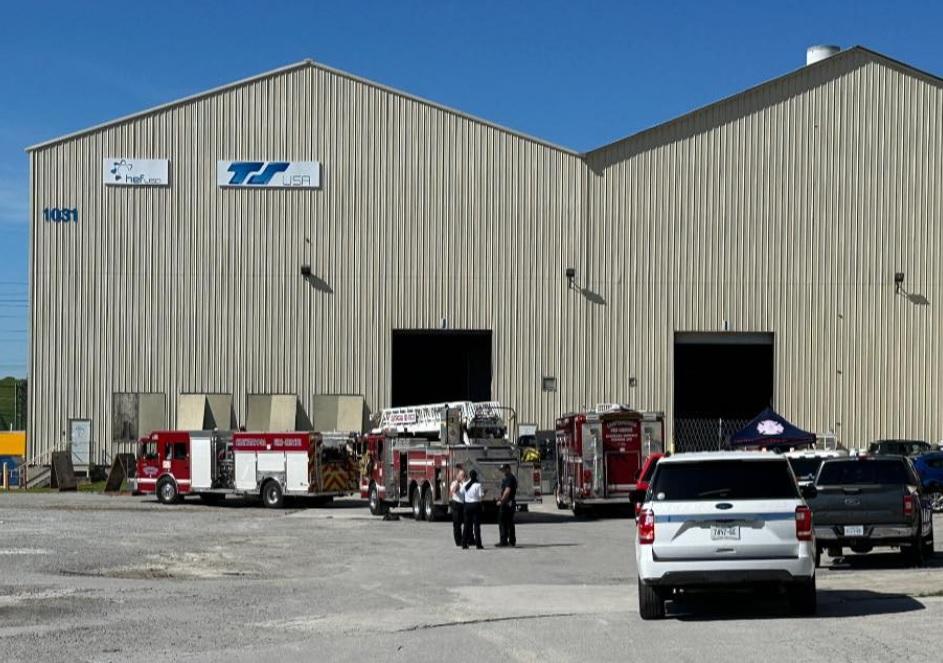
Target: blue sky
pixel 576 73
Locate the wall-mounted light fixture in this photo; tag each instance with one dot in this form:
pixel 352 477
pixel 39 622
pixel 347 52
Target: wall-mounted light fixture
pixel 898 282
pixel 306 271
pixel 570 276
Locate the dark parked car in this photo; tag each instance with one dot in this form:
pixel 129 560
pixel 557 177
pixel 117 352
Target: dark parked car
pixel 869 502
pixel 930 468
pixel 898 448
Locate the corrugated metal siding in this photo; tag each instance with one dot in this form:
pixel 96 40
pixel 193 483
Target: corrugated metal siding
pixel 786 210
pixel 423 215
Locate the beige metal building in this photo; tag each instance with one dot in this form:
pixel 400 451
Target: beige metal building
pixel 742 254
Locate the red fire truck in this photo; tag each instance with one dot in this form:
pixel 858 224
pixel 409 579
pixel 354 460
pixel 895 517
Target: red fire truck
pixel 214 464
pixel 600 455
pixel 411 454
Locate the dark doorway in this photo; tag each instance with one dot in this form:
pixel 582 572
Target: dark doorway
pixel 432 366
pixel 721 381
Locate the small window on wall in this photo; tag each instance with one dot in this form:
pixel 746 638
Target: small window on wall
pixel 180 451
pixel 548 383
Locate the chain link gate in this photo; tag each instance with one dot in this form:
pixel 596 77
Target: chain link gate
pixel 711 434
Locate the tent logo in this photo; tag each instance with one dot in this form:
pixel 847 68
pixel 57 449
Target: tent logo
pixel 769 427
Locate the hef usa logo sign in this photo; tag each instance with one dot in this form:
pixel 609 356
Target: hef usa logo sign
pixel 269 174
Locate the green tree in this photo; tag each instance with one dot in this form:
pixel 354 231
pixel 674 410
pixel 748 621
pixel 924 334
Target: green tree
pixel 12 404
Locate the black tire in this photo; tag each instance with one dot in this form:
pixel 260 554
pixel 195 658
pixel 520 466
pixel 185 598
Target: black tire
pixel 834 551
pixel 272 496
pixel 651 601
pixel 167 491
pixel 416 502
pixel 818 556
pixel 915 553
pixel 802 598
pixel 428 505
pixel 377 507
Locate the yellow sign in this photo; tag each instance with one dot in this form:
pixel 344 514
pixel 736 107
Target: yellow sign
pixel 13 443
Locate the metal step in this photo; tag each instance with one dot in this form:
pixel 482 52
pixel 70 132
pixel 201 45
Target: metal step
pixel 38 476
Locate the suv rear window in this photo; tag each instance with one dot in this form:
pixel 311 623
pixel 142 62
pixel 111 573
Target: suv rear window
pixel 723 479
pixel 899 448
pixel 847 472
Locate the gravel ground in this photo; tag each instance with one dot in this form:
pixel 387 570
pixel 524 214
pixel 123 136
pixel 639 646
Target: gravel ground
pixel 98 578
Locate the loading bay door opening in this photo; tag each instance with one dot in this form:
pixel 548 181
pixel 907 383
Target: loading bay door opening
pixel 434 366
pixel 721 381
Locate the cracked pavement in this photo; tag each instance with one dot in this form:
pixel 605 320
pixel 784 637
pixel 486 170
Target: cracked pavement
pixel 100 578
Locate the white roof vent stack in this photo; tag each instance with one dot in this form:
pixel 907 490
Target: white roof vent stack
pixel 815 54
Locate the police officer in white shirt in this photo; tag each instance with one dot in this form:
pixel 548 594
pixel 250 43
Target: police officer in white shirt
pixel 473 494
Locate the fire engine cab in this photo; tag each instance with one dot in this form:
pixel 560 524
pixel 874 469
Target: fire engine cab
pixel 600 454
pixel 411 455
pixel 214 464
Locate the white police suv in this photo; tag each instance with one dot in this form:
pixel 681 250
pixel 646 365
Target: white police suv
pixel 724 518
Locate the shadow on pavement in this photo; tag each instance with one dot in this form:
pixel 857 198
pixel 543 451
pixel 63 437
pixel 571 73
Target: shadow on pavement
pixel 877 561
pixel 291 504
pixel 542 518
pixel 832 604
pixel 527 546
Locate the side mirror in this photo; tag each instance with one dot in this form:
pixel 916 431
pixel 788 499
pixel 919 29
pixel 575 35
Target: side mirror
pixel 809 491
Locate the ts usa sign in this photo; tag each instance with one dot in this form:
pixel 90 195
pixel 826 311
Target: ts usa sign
pixel 269 174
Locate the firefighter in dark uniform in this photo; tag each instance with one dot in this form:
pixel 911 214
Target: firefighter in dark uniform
pixel 506 508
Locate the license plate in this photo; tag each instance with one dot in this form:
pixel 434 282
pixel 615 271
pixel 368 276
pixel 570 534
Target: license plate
pixel 725 532
pixel 854 530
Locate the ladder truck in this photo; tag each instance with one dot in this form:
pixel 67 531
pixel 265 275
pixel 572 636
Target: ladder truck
pixel 411 454
pixel 601 454
pixel 270 466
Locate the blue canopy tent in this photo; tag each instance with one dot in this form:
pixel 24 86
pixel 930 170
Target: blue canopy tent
pixel 771 430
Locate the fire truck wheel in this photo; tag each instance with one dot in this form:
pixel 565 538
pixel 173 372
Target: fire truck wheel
pixel 428 505
pixel 416 502
pixel 377 508
pixel 272 495
pixel 167 492
pixel 558 495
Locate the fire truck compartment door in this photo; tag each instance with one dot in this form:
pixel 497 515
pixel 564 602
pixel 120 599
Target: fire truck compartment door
pixel 271 461
pixel 621 469
pixel 296 471
pixel 245 471
pixel 201 461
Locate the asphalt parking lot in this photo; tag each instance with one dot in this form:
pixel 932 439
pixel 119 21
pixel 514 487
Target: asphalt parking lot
pixel 99 578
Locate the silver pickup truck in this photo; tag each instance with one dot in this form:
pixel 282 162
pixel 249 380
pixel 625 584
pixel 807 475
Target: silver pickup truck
pixel 869 502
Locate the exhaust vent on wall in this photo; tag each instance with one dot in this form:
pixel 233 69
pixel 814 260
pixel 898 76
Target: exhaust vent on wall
pixel 815 54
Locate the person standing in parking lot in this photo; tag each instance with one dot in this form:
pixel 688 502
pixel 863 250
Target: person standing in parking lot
pixel 473 494
pixel 457 503
pixel 506 508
